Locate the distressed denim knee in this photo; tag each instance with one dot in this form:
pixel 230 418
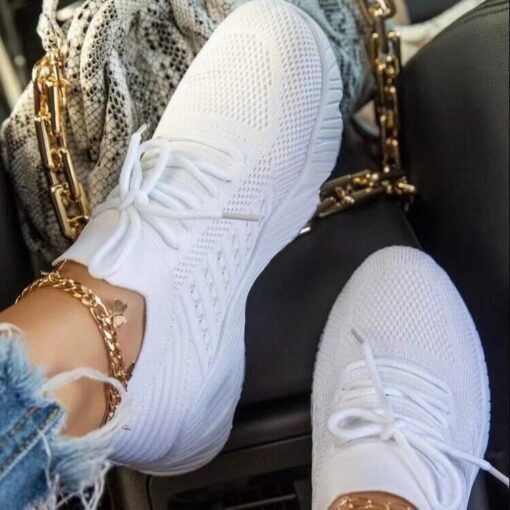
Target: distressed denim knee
pixel 39 468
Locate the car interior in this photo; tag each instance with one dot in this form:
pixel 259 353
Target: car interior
pixel 453 103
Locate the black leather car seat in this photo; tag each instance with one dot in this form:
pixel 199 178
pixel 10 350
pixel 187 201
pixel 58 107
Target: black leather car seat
pixel 456 124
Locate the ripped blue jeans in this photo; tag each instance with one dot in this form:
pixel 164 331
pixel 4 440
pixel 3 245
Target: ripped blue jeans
pixel 38 467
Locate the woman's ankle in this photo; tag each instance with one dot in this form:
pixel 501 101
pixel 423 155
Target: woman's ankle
pixel 61 335
pixel 130 335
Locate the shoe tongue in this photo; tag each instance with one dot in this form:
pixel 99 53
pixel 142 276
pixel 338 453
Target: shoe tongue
pixel 368 466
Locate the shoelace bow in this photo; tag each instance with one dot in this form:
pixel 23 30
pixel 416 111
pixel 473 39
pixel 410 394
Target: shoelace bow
pixel 142 196
pixel 413 437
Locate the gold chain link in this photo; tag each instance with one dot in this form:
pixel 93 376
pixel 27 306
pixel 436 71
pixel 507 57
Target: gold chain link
pixel 50 103
pixel 384 54
pixel 103 317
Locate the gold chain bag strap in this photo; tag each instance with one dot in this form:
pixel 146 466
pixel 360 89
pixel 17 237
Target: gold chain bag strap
pixel 384 53
pixel 67 193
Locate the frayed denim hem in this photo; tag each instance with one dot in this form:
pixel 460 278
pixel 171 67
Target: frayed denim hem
pixel 39 468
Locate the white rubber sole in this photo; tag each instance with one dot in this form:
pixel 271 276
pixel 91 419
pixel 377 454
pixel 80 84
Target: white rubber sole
pixel 286 221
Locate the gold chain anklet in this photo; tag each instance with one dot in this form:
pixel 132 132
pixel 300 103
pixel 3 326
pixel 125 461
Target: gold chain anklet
pixel 107 322
pixel 370 501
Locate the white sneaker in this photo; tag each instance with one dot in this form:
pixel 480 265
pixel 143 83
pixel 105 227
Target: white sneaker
pixel 400 395
pixel 230 177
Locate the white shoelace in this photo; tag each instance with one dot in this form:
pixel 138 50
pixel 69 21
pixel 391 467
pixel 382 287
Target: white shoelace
pixel 412 436
pixel 142 196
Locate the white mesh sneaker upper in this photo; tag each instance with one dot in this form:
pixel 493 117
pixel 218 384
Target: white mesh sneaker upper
pixel 432 372
pixel 258 109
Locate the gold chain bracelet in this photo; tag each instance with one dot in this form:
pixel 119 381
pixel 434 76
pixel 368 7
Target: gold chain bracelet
pixel 107 322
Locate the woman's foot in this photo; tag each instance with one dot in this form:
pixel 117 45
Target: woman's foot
pixel 61 336
pixel 401 400
pixel 229 179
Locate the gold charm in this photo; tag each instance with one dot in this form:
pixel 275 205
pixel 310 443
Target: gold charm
pixel 119 309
